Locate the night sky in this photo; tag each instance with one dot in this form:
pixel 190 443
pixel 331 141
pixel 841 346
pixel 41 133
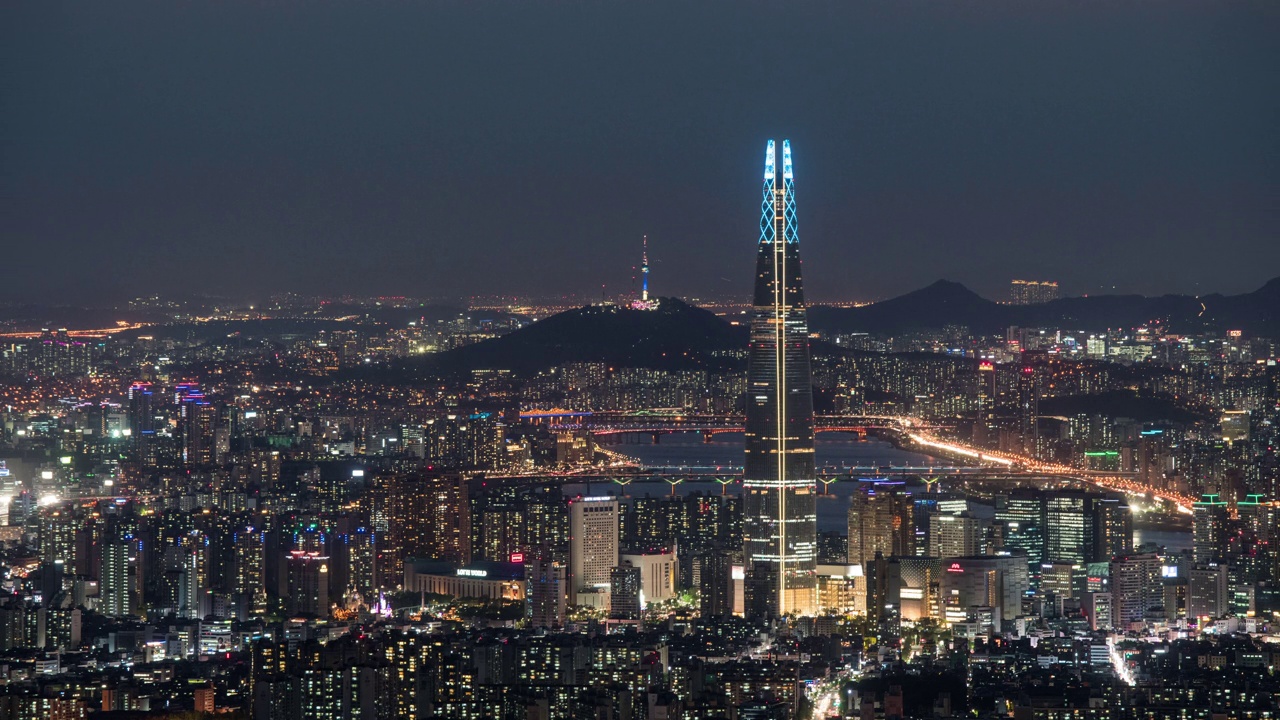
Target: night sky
pixel 451 148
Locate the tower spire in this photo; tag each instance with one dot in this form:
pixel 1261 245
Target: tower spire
pixel 644 271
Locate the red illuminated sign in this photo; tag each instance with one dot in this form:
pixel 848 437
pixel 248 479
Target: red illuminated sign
pixel 517 557
pixel 955 567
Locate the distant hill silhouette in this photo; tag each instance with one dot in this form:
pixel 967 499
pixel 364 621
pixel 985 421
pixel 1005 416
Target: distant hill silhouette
pixel 674 336
pixel 942 303
pixel 1119 403
pixel 950 303
pixel 680 336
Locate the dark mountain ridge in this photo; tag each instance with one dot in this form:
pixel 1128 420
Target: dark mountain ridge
pixel 949 303
pixel 675 335
pixel 679 336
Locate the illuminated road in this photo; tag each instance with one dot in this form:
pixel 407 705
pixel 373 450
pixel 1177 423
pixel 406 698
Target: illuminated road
pixel 1117 662
pixel 825 697
pixel 120 327
pixel 911 429
pixel 826 700
pixel 1105 480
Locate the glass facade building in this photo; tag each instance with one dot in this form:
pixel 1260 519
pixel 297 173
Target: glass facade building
pixel 779 519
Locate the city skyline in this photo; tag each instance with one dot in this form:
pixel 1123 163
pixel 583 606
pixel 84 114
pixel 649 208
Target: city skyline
pixel 345 370
pixel 1002 143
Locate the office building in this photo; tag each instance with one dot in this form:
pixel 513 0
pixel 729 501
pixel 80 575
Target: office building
pixel 547 593
pixel 1137 591
pixel 969 584
pixel 880 521
pixel 593 549
pixel 658 571
pixel 779 518
pixel 1068 528
pixel 1207 596
pixel 1097 607
pixel 956 535
pixel 626 594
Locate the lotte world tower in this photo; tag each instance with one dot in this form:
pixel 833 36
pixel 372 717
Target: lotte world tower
pixel 779 512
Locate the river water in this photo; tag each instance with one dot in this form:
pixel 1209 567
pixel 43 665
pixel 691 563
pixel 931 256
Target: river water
pixel 833 451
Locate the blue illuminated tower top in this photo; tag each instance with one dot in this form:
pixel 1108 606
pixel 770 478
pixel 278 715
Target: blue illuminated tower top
pixel 773 194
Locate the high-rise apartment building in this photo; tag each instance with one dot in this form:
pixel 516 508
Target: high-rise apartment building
pixel 1209 528
pixel 780 517
pixel 248 562
pixel 1028 412
pixel 715 584
pixel 120 590
pixel 142 422
pixel 308 583
pixel 1033 292
pixel 198 420
pixel 427 517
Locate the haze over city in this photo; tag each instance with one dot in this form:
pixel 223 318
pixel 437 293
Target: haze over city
pixel 452 149
pixel 639 360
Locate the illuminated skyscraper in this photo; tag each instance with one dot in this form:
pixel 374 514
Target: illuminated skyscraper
pixel 1209 528
pixel 142 422
pixel 779 517
pixel 1028 412
pixel 198 421
pixel 120 591
pixel 879 522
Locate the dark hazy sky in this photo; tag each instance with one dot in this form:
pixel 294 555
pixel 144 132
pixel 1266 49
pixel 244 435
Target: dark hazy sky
pixel 443 148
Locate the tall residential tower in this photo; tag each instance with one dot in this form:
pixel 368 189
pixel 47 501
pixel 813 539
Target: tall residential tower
pixel 779 514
